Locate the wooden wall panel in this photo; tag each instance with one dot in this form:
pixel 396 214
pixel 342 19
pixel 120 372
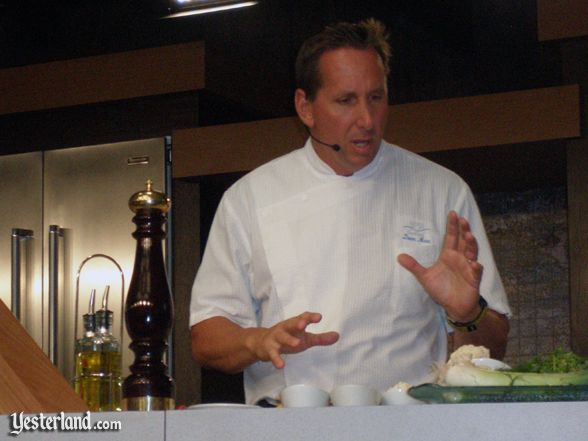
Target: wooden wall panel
pixel 486 120
pixel 233 147
pixel 575 69
pixel 578 247
pixel 118 76
pixel 186 254
pixel 557 19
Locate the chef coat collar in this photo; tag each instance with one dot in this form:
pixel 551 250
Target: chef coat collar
pixel 322 169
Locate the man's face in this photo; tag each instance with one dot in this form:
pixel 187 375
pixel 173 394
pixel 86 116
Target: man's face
pixel 349 109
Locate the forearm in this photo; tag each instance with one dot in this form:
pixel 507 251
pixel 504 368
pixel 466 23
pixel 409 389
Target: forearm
pixel 491 332
pixel 221 344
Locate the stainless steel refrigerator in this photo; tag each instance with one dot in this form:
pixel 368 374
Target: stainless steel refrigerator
pixel 65 229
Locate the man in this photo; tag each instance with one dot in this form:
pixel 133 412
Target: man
pixel 300 282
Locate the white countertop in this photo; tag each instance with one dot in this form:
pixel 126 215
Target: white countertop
pixel 562 421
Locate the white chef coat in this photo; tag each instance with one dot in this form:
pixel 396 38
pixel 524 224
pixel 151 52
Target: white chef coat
pixel 292 236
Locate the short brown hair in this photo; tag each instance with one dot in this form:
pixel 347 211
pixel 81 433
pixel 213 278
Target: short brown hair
pixel 367 34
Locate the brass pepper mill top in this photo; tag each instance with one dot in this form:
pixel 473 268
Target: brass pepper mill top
pixel 149 200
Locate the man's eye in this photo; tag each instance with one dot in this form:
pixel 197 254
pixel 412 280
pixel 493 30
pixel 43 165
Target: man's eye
pixel 377 97
pixel 345 100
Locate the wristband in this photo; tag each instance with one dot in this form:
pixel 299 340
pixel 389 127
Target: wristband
pixel 471 325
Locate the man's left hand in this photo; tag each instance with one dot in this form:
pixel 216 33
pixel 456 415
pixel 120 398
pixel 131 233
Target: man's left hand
pixel 453 281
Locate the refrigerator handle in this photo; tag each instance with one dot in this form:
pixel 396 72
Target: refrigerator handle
pixel 55 232
pixel 19 236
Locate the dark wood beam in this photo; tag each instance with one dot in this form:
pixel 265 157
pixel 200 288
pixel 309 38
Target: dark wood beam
pixel 558 19
pixel 459 123
pixel 112 77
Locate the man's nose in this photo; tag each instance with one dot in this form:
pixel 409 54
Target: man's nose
pixel 365 118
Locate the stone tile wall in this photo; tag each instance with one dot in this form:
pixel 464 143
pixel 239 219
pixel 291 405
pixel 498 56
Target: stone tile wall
pixel 529 237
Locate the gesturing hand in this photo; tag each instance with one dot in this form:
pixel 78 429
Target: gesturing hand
pixel 454 279
pixel 289 337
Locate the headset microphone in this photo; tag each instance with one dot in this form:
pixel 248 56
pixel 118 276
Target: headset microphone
pixel 335 147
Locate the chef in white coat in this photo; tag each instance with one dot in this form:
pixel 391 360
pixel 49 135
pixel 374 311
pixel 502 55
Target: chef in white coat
pixel 349 260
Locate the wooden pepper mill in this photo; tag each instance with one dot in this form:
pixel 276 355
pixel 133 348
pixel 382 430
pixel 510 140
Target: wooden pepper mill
pixel 149 308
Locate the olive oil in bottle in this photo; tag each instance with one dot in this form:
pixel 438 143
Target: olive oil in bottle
pixel 85 346
pixel 98 362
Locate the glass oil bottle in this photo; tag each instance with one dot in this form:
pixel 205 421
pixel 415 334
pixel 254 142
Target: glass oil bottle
pixel 98 361
pixel 85 347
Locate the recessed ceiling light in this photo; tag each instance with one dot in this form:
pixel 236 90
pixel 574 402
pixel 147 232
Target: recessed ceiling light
pixel 182 8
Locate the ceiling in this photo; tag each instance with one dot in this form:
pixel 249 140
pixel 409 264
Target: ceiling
pixel 442 48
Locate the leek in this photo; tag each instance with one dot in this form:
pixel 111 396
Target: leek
pixel 466 374
pixel 556 369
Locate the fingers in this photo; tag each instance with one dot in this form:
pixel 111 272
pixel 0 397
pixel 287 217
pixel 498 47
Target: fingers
pixel 410 263
pixel 458 236
pixel 467 244
pixel 478 269
pixel 278 342
pixel 322 339
pixel 306 318
pixel 276 359
pixel 451 231
pixel 290 336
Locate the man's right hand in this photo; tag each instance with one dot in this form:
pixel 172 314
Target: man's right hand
pixel 221 344
pixel 289 337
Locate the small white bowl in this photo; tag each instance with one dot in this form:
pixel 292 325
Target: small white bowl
pixel 304 395
pixel 398 394
pixel 355 395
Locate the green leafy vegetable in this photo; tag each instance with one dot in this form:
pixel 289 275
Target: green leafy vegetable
pixel 558 361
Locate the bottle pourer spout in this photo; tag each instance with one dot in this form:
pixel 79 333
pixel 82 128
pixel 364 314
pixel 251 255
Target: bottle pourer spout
pixel 92 300
pixel 105 297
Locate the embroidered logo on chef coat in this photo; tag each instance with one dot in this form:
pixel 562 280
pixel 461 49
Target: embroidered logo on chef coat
pixel 417 232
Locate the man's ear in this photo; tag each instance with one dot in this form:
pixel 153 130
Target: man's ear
pixel 303 108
